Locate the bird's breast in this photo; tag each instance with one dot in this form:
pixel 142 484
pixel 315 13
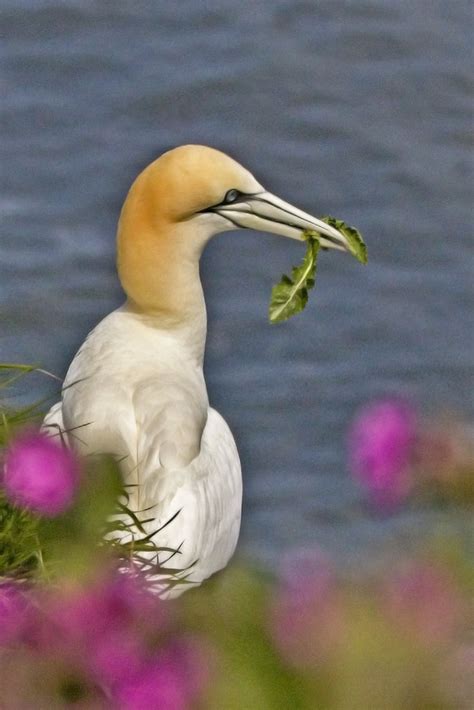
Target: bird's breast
pixel 130 382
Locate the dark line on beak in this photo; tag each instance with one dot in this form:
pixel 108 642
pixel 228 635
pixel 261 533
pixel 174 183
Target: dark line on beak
pixel 328 238
pixel 236 224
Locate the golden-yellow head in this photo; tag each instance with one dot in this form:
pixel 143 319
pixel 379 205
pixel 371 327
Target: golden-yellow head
pixel 186 180
pixel 182 199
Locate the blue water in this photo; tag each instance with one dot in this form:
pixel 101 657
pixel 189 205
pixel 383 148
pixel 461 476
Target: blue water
pixel 358 109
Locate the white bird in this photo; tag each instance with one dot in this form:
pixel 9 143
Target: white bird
pixel 136 387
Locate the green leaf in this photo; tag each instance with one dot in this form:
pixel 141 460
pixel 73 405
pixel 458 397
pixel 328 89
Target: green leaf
pixel 290 296
pixel 353 236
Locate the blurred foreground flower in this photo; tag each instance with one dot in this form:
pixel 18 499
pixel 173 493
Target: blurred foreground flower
pixel 108 624
pixel 171 680
pixel 333 644
pixel 424 602
pixel 84 628
pixel 40 474
pixel 111 639
pixel 381 445
pixel 307 618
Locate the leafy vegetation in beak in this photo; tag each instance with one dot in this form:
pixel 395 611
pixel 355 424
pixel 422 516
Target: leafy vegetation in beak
pixel 353 236
pixel 290 295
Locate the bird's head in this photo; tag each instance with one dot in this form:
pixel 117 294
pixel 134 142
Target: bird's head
pixel 205 189
pixel 181 200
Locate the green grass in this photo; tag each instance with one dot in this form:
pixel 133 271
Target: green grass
pixel 20 551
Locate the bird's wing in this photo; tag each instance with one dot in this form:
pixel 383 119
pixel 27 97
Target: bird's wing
pixel 170 419
pixel 201 517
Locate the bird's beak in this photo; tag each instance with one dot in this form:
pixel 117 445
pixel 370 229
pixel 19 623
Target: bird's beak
pixel 268 213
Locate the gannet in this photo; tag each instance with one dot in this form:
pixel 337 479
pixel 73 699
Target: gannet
pixel 136 387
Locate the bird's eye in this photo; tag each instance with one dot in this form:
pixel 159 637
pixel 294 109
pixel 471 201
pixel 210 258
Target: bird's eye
pixel 231 196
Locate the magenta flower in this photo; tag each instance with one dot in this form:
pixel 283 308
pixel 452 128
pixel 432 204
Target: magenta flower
pixel 117 634
pixel 40 474
pixel 107 627
pixel 381 447
pixel 307 620
pixel 172 679
pixel 159 685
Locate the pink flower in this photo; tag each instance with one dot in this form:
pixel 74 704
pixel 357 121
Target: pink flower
pixel 381 446
pixel 159 685
pixel 40 474
pixel 14 613
pixel 108 626
pixel 171 680
pixel 307 622
pixel 116 633
pixel 424 602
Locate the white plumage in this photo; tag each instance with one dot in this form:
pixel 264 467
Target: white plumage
pixel 136 387
pixel 132 391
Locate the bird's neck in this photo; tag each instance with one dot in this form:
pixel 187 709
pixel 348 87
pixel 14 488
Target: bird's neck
pixel 158 267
